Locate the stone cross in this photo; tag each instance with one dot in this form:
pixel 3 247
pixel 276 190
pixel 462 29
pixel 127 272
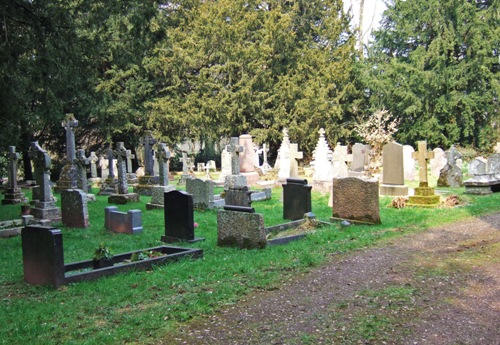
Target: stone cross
pixel 93 164
pixel 184 163
pixel 111 166
pixel 69 125
pixel 148 141
pixel 163 155
pixel 265 150
pixel 121 155
pixel 422 156
pixel 81 163
pixel 130 156
pixel 42 165
pixel 234 148
pixel 294 155
pixel 12 156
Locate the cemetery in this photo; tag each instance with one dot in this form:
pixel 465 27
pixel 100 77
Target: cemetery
pixel 254 173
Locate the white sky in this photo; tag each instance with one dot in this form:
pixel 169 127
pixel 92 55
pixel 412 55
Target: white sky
pixel 372 14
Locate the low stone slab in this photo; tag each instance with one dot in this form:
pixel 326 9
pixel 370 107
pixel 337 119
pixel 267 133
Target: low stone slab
pixel 356 200
pixel 121 222
pixel 483 184
pixel 123 199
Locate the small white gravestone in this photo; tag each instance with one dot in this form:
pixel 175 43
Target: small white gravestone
pixel 438 162
pixel 409 163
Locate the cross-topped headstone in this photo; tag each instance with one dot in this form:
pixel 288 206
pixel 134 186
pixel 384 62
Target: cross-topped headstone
pixel 12 156
pixel 69 126
pixel 130 156
pixel 265 165
pixel 234 148
pixel 42 164
pixel 340 158
pixel 163 155
pixel 422 156
pixel 148 141
pixel 111 166
pixel 93 164
pixel 294 155
pixel 121 155
pixel 81 163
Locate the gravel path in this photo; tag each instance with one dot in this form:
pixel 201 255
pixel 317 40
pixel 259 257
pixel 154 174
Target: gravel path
pixel 441 286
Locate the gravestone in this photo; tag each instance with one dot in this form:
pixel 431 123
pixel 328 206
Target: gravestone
pixel 393 171
pixel 131 176
pixel 265 165
pixel 93 164
pixel 438 162
pixel 477 166
pixel 185 169
pixel 146 182
pixel 482 184
pixel 236 179
pixel 121 222
pixel 294 155
pixel 322 155
pixel 157 193
pixel 179 217
pixel 225 161
pixel 74 209
pixel 110 185
pixel 247 159
pixel 202 193
pixel 493 164
pixel 296 199
pixel 81 163
pixel 284 157
pixel 123 196
pixel 451 174
pixel 44 207
pixel 356 200
pixel 409 163
pixel 424 195
pixel 104 166
pixel 339 161
pixel 13 194
pixel 360 159
pixel 240 227
pixel 68 178
pixel 238 196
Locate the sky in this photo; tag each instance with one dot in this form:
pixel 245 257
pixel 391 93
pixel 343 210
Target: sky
pixel 372 14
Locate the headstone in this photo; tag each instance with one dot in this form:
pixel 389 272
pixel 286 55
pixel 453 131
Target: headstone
pixel 393 177
pixel 238 196
pixel 43 256
pixel 284 157
pixel 110 185
pixel 322 158
pixel 150 179
pixel 121 222
pixel 265 165
pixel 104 166
pixel 202 193
pixel 248 161
pixel 451 174
pixel 185 169
pixel 69 174
pixel 211 165
pixel 179 217
pixel 123 196
pixel 408 162
pixel 493 165
pixel 74 209
pixel 93 164
pixel 163 155
pixel 438 162
pixel 360 159
pixel 225 162
pixel 81 163
pixel 340 158
pixel 44 204
pixel 294 155
pixel 200 167
pixel 156 166
pixel 477 166
pixel 235 179
pixel 242 229
pixel 296 199
pixel 424 195
pixel 356 200
pixel 131 176
pixel 13 194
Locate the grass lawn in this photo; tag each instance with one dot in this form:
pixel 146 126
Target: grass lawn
pixel 143 306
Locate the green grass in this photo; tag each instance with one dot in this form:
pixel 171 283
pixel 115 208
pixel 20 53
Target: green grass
pixel 141 307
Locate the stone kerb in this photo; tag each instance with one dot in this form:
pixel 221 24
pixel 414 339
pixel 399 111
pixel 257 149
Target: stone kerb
pixel 356 200
pixel 121 222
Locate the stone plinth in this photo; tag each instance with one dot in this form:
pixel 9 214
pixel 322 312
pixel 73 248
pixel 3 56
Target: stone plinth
pixel 356 200
pixel 424 197
pixel 146 185
pixel 393 190
pixel 241 229
pixel 108 187
pixel 46 210
pixel 483 184
pixel 157 197
pixel 68 178
pixel 235 181
pixel 13 196
pixel 122 199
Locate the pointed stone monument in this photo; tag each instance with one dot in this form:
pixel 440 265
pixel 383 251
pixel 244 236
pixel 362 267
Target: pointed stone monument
pixel 424 195
pixel 322 155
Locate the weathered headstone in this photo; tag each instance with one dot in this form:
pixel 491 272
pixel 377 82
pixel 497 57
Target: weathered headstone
pixel 110 185
pixel 225 161
pixel 104 166
pixel 451 174
pixel 360 159
pixel 393 171
pixel 238 196
pixel 408 162
pixel 356 200
pixel 74 209
pixel 296 199
pixel 240 227
pixel 163 155
pixel 131 176
pixel 294 155
pixel 121 222
pixel 235 179
pixel 477 166
pixel 69 174
pixel 44 205
pixel 123 196
pixel 179 217
pixel 424 195
pixel 247 159
pixel 81 163
pixel 493 165
pixel 93 164
pixel 340 158
pixel 482 184
pixel 13 194
pixel 438 162
pixel 202 192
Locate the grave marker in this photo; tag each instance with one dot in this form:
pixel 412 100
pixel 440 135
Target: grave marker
pixel 74 208
pixel 393 171
pixel 424 195
pixel 121 222
pixel 296 199
pixel 13 194
pixel 123 196
pixel 69 174
pixel 179 217
pixel 356 200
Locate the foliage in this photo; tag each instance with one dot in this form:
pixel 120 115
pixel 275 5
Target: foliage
pixel 435 64
pixel 102 252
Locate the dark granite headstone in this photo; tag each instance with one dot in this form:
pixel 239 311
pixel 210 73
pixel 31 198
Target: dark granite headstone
pixel 43 255
pixel 179 217
pixel 238 196
pixel 296 199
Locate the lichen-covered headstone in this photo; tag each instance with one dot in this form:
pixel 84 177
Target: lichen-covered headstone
pixel 356 200
pixel 74 208
pixel 240 228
